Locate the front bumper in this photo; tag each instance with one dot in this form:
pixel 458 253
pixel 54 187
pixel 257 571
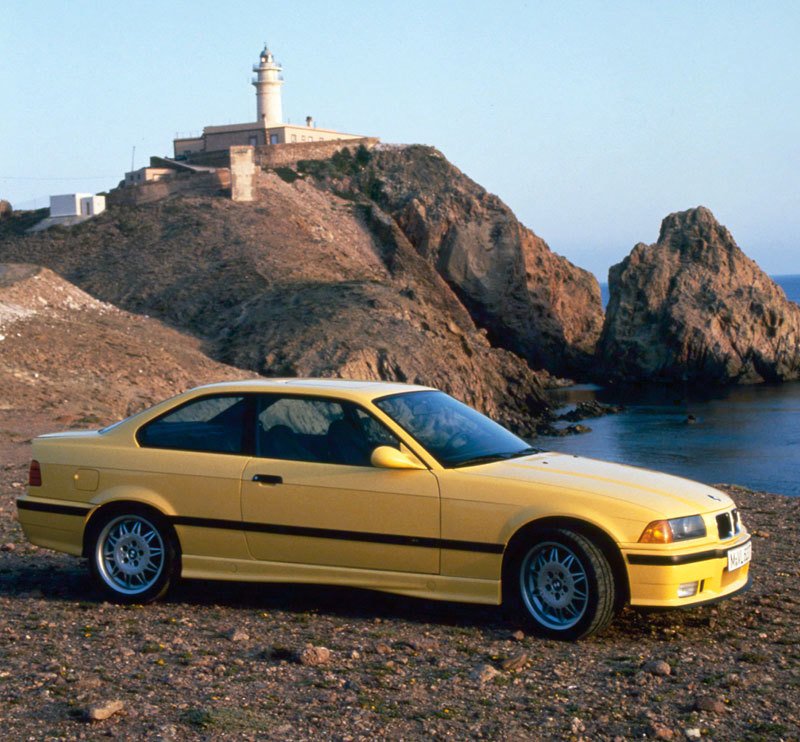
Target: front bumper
pixel 654 578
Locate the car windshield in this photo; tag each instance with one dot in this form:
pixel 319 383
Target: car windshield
pixel 456 435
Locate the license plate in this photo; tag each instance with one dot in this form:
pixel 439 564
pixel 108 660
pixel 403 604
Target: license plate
pixel 740 556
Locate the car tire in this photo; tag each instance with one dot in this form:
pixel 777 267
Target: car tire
pixel 134 555
pixel 560 585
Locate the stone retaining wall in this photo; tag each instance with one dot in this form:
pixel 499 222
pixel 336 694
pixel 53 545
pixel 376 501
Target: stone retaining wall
pixel 217 183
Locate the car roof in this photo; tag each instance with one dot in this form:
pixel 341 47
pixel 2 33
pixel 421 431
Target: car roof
pixel 347 388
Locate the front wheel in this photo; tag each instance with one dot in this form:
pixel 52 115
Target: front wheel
pixel 561 585
pixel 134 556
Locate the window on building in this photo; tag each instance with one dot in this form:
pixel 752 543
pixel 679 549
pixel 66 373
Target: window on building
pixel 273 139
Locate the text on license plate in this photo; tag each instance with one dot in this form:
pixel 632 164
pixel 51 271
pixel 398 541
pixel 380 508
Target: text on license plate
pixel 739 556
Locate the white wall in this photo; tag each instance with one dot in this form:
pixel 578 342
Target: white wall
pixel 92 205
pixel 68 204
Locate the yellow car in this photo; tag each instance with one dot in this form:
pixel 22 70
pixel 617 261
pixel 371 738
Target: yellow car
pixel 384 486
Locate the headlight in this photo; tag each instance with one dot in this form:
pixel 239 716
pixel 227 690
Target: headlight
pixel 676 529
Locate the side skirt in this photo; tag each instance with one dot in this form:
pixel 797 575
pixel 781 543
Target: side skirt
pixel 432 587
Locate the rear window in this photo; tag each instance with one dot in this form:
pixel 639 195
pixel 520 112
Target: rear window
pixel 211 424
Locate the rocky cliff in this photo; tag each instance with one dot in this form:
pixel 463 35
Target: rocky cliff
pixel 693 307
pixel 530 300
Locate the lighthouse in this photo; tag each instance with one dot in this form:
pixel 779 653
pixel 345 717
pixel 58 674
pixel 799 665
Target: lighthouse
pixel 267 83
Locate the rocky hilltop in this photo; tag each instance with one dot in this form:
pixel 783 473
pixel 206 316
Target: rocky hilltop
pixel 529 299
pixel 693 307
pixel 327 274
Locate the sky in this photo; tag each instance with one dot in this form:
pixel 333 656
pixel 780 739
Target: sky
pixel 591 120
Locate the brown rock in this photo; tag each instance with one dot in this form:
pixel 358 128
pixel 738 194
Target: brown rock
pixel 5 209
pixel 706 703
pixel 104 710
pixel 693 307
pixel 484 673
pixel 658 667
pixel 658 731
pixel 518 636
pixel 517 662
pixel 238 635
pixel 313 656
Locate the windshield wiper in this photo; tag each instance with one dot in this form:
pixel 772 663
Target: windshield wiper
pixel 488 458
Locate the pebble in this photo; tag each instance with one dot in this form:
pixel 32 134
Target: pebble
pixel 693 733
pixel 103 710
pixel 706 703
pixel 658 667
pixel 484 673
pixel 518 636
pixel 577 725
pixel 8 547
pixel 517 662
pixel 313 656
pixel 238 635
pixel 661 732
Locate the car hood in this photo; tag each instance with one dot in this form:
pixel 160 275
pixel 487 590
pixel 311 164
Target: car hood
pixel 663 493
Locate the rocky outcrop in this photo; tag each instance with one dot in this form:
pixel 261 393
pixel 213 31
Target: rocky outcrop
pixel 693 307
pixel 530 300
pixel 5 209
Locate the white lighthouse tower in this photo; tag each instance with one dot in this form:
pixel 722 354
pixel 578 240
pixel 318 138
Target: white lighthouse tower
pixel 268 83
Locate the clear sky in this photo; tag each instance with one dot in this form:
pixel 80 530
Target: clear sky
pixel 592 120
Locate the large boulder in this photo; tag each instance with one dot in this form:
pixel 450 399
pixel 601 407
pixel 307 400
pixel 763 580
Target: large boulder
pixel 694 308
pixel 5 209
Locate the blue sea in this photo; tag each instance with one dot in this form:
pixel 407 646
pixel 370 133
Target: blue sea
pixel 742 435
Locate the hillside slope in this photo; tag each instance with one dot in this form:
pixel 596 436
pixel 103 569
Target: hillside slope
pixel 301 282
pixel 71 359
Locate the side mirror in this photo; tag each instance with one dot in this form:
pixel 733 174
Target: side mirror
pixel 387 457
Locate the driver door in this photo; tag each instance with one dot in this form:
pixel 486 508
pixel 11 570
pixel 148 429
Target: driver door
pixel 310 495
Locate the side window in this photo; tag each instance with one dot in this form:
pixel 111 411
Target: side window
pixel 376 433
pixel 211 424
pixel 324 431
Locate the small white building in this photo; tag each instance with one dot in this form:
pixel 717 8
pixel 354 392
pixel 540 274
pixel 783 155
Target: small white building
pixel 77 204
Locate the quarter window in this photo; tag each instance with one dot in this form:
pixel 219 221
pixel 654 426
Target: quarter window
pixel 210 424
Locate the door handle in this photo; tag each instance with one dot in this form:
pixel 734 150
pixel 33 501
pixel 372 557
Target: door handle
pixel 267 479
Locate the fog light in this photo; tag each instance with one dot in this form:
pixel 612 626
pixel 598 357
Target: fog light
pixel 687 589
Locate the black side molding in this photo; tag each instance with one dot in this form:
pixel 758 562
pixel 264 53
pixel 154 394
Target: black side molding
pixel 46 507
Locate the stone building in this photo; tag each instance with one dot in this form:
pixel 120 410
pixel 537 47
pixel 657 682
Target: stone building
pixel 268 128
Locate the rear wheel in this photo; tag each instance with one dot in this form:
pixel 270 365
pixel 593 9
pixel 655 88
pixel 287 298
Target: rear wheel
pixel 134 556
pixel 561 585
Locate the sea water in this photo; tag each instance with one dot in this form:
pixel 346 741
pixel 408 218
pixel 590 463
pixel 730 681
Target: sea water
pixel 740 435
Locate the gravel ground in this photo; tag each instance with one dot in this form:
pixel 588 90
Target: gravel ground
pixel 242 661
